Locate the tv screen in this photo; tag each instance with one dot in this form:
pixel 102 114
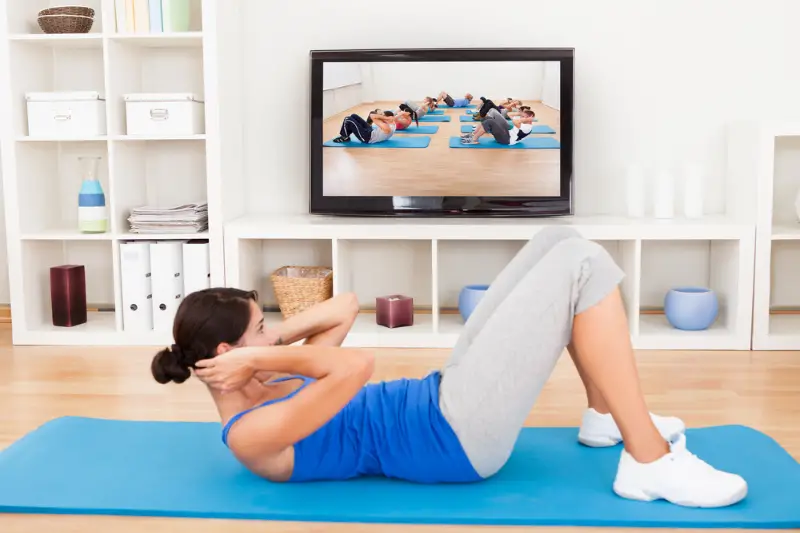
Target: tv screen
pixel 441 132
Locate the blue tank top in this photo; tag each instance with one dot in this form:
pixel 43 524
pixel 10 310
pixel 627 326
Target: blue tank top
pixel 392 429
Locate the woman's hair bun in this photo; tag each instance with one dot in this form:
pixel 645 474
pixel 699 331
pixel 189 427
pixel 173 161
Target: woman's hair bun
pixel 170 364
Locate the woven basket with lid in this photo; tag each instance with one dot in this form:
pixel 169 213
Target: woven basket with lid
pixel 299 287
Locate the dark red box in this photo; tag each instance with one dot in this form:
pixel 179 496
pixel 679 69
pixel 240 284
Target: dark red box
pixel 394 311
pixel 68 295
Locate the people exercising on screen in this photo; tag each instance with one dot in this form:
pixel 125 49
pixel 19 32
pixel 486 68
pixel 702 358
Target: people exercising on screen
pixel 455 102
pixel 379 127
pixel 497 126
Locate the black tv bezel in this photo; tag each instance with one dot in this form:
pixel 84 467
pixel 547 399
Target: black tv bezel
pixel 455 206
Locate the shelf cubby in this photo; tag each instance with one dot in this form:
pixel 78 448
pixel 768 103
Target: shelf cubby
pixel 152 64
pixel 713 264
pixel 50 180
pixel 784 313
pixel 37 259
pixel 37 68
pixel 157 173
pixel 22 15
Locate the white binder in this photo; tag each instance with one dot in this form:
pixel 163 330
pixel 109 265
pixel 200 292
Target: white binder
pixel 166 263
pixel 196 267
pixel 137 293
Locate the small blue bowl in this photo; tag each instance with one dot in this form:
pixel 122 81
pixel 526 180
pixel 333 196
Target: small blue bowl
pixel 691 308
pixel 469 298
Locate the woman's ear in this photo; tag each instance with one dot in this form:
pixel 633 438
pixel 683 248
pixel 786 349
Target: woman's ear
pixel 223 347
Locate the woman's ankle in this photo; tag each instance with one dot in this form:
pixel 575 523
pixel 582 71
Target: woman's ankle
pixel 647 451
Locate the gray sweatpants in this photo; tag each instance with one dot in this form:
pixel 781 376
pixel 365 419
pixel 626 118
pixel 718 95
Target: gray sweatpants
pixel 514 338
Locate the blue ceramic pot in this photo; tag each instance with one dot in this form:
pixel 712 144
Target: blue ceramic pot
pixel 691 308
pixel 469 298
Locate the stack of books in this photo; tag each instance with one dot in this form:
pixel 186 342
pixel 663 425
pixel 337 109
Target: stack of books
pixel 188 218
pixel 152 16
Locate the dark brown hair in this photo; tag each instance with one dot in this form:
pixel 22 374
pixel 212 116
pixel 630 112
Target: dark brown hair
pixel 529 113
pixel 205 319
pixel 407 108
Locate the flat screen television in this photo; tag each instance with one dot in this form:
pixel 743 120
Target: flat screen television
pixel 442 132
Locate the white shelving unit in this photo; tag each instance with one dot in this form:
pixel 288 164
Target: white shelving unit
pixel 431 260
pixel 771 153
pixel 41 175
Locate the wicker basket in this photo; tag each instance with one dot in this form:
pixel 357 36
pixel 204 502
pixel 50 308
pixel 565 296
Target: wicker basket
pixel 299 287
pixel 65 23
pixel 81 11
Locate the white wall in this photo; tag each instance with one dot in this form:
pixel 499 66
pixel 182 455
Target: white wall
pixel 651 86
pixel 551 91
pixel 5 292
pixel 413 81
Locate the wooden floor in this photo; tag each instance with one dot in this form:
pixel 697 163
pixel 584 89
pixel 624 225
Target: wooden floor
pixel 439 170
pixel 38 384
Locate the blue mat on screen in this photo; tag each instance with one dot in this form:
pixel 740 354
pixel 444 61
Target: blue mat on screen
pixel 436 112
pixel 435 118
pixel 536 129
pixel 420 130
pixel 470 106
pixel 529 143
pixel 182 469
pixel 411 141
pixel 469 118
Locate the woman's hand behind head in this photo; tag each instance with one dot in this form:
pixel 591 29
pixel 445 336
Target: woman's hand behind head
pixel 227 372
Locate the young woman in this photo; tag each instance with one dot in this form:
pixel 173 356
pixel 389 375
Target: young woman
pixel 405 116
pixel 454 102
pixel 428 105
pixel 379 127
pixel 496 125
pixel 323 421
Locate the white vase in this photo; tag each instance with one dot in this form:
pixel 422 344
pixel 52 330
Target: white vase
pixel 664 195
pixel 693 191
pixel 635 191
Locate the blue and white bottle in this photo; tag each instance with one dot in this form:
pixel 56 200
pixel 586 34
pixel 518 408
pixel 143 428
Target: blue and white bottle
pixel 92 209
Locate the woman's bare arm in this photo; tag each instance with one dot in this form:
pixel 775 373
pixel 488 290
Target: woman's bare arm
pixel 339 372
pixel 325 324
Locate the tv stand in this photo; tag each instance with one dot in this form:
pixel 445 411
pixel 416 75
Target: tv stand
pixel 431 259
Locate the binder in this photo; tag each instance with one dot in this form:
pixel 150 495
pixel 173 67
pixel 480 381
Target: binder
pixel 196 267
pixel 137 289
pixel 166 263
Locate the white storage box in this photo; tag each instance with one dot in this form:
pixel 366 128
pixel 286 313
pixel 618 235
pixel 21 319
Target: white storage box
pixel 66 115
pixel 163 115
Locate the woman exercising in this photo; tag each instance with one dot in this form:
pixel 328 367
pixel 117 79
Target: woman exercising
pixel 497 126
pixel 379 127
pixel 428 105
pixel 405 116
pixel 321 420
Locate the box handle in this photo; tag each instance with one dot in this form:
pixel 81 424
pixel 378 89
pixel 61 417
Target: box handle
pixel 63 116
pixel 159 114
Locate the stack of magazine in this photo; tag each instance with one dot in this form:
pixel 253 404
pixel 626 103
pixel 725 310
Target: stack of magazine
pixel 189 218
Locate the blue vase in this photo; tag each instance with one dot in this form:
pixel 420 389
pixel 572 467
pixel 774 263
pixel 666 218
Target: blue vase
pixel 469 298
pixel 691 308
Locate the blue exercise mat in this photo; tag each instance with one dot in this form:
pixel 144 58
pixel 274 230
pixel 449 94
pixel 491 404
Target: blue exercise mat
pixel 470 106
pixel 411 141
pixel 421 130
pixel 182 469
pixel 529 143
pixel 470 118
pixel 435 112
pixel 544 128
pixel 435 118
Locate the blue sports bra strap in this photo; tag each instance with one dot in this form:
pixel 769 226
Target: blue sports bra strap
pixel 226 429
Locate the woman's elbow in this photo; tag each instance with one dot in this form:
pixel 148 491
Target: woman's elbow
pixel 349 306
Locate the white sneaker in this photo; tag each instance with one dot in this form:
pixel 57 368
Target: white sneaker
pixel 680 478
pixel 600 430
